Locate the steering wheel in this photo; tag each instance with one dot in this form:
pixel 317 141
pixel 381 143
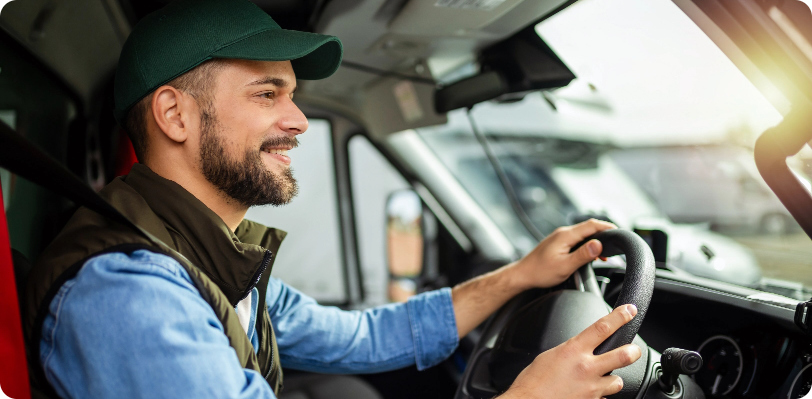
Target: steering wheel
pixel 638 286
pixel 529 324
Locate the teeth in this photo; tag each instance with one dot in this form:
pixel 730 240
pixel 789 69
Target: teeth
pixel 277 151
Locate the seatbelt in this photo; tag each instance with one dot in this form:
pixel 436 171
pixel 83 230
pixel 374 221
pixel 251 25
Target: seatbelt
pixel 13 365
pixel 23 158
pixel 26 160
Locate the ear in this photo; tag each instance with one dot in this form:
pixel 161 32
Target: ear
pixel 171 109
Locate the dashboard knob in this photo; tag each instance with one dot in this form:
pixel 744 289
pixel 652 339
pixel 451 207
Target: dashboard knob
pixel 675 361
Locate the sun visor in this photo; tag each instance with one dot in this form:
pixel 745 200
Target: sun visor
pixel 393 104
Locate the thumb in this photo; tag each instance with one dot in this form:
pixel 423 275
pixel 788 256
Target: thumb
pixel 587 252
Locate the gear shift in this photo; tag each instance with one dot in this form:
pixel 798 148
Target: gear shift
pixel 675 361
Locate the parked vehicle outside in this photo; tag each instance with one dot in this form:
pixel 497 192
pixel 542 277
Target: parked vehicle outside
pixel 714 184
pixel 559 182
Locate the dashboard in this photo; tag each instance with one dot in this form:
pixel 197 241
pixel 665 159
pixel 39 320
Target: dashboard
pixel 750 345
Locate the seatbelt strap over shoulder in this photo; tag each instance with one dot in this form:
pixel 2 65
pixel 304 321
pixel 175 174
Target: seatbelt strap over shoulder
pixel 25 159
pixel 13 365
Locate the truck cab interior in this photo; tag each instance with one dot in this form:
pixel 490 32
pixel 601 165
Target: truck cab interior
pixel 457 134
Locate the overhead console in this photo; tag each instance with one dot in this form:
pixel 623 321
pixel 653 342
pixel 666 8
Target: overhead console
pixel 461 18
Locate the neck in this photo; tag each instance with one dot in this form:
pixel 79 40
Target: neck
pixel 195 183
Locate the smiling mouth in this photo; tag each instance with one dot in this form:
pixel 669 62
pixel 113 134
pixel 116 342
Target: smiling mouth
pixel 278 151
pixel 278 148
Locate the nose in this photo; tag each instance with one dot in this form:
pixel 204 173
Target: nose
pixel 292 120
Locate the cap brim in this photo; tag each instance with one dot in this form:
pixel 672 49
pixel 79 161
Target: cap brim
pixel 312 55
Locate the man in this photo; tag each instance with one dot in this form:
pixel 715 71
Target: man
pixel 182 305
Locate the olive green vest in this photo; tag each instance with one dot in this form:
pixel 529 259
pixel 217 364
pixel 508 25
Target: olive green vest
pixel 224 266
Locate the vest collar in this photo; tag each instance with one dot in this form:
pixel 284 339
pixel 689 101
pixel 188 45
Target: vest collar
pixel 234 261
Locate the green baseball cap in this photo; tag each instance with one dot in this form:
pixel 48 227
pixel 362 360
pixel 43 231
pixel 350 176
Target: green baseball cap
pixel 185 33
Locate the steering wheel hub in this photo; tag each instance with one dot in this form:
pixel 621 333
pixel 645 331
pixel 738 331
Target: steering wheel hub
pixel 530 325
pixel 548 322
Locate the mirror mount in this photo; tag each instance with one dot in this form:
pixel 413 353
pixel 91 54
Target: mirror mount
pixel 519 64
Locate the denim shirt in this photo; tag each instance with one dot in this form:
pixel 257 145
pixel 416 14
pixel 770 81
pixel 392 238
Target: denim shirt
pixel 135 326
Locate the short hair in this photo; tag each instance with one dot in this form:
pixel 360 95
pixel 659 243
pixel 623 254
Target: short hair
pixel 197 82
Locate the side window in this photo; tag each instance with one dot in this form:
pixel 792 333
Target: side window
pixel 9 117
pixel 373 180
pixel 310 258
pixel 41 109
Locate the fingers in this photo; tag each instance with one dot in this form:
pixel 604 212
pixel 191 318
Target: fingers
pixel 617 358
pixel 585 229
pixel 606 326
pixel 587 252
pixel 612 383
pixel 572 235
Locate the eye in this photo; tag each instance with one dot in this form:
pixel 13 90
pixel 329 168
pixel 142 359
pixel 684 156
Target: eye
pixel 267 95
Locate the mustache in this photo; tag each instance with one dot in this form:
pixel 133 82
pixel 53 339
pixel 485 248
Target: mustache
pixel 282 141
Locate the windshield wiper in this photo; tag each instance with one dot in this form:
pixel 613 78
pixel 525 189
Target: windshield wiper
pixel 504 181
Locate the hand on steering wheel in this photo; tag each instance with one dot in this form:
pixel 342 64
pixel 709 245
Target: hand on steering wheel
pixel 554 259
pixel 575 357
pixel 571 370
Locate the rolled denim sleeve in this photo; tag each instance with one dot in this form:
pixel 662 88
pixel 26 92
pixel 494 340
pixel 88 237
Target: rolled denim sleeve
pixel 327 339
pixel 434 327
pixel 134 326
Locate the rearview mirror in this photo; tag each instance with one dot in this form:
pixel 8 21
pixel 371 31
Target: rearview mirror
pixel 519 64
pixel 470 91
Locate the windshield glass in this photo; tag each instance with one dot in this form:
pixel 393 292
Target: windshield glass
pixel 655 133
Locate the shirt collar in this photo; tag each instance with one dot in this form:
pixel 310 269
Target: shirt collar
pixel 231 260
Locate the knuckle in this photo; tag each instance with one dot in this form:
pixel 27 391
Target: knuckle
pixel 623 313
pixel 584 368
pixel 559 230
pixel 603 328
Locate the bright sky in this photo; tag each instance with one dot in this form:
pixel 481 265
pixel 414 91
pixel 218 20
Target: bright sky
pixel 662 78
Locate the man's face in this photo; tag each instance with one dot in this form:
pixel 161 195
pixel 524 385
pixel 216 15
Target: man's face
pixel 247 130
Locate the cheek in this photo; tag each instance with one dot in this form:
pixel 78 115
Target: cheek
pixel 247 120
pixel 231 128
pixel 256 127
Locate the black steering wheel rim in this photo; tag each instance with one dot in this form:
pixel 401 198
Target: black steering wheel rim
pixel 539 320
pixel 638 285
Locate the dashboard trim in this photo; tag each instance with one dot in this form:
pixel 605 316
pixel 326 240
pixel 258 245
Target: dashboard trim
pixel 723 293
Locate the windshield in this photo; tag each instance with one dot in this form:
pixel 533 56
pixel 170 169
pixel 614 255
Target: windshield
pixel 655 133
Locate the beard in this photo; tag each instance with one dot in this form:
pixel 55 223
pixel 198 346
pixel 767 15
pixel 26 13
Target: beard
pixel 247 181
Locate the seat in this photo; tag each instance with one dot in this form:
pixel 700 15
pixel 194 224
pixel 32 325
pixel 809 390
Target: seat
pixel 319 386
pixel 13 368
